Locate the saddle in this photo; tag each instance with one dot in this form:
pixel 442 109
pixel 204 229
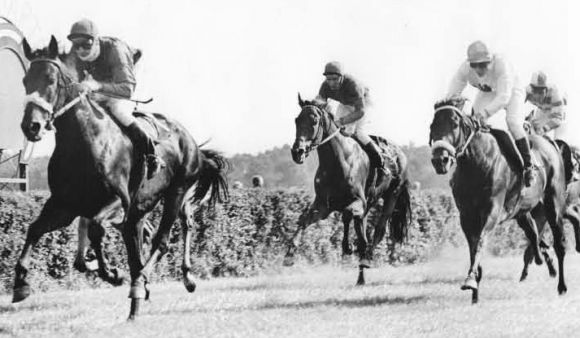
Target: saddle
pixel 389 152
pixel 151 123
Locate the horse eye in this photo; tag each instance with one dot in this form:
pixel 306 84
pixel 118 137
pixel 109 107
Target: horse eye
pixel 51 80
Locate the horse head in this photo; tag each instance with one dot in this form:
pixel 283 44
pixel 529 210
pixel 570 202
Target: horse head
pixel 447 133
pixel 43 83
pixel 310 127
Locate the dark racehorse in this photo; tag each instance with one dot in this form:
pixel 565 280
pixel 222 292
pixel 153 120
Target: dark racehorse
pixel 94 166
pixel 571 214
pixel 344 182
pixel 487 191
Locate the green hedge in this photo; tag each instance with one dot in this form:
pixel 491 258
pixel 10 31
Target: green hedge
pixel 243 237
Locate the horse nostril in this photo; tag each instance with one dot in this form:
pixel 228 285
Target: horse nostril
pixel 34 127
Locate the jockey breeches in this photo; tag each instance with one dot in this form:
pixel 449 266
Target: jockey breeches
pixel 514 115
pixel 358 131
pixel 122 110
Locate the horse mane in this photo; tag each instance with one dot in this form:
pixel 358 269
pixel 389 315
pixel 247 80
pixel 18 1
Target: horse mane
pixel 320 104
pixel 455 101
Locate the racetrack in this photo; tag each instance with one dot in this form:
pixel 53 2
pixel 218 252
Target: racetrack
pixel 417 300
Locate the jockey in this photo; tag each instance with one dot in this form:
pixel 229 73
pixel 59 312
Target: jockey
pixel 106 65
pixel 499 88
pixel 354 100
pixel 550 109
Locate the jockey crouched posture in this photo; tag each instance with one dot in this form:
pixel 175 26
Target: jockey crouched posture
pixel 550 109
pixel 499 88
pixel 354 99
pixel 550 113
pixel 105 65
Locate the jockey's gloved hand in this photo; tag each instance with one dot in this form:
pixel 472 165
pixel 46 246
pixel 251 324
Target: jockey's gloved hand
pixel 89 85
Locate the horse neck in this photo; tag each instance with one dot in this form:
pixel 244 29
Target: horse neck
pixel 479 154
pixel 77 128
pixel 333 150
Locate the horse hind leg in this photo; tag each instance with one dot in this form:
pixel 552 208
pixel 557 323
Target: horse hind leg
pixel 527 223
pixel 187 223
pixel 315 212
pixel 573 216
pixel 81 262
pixel 51 218
pixel 112 276
pixel 172 204
pixel 544 247
pixel 557 225
pixel 528 257
pixel 346 245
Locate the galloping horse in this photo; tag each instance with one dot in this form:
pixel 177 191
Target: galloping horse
pixel 345 182
pixel 94 166
pixel 571 214
pixel 487 191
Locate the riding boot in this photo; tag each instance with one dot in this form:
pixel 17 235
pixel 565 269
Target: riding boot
pixel 375 157
pixel 144 145
pixel 529 170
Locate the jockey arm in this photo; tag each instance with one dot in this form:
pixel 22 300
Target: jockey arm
pixel 123 76
pixel 504 88
pixel 459 81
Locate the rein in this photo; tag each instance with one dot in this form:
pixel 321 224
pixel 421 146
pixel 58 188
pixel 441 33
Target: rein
pixel 313 146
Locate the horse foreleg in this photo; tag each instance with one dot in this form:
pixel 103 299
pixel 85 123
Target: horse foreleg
pixel 346 246
pixel 527 223
pixel 132 241
pixel 475 229
pixel 50 219
pixel 315 212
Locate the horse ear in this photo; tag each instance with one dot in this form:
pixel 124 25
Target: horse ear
pixel 52 48
pixel 300 101
pixel 27 50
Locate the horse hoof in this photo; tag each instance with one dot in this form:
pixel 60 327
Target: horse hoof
pixel 92 265
pixel 469 284
pixel 523 277
pixel 288 261
pixel 190 287
pixel 577 248
pixel 539 260
pixel 553 273
pixel 21 293
pixel 119 277
pixel 562 289
pixel 135 307
pixel 364 264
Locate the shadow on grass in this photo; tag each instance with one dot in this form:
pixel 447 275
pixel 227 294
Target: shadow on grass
pixel 281 305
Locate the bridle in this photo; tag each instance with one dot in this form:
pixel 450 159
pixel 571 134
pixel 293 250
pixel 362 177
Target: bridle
pixel 459 151
pixel 320 131
pixel 67 83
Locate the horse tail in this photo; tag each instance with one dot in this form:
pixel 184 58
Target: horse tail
pixel 213 176
pixel 402 215
pixel 566 154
